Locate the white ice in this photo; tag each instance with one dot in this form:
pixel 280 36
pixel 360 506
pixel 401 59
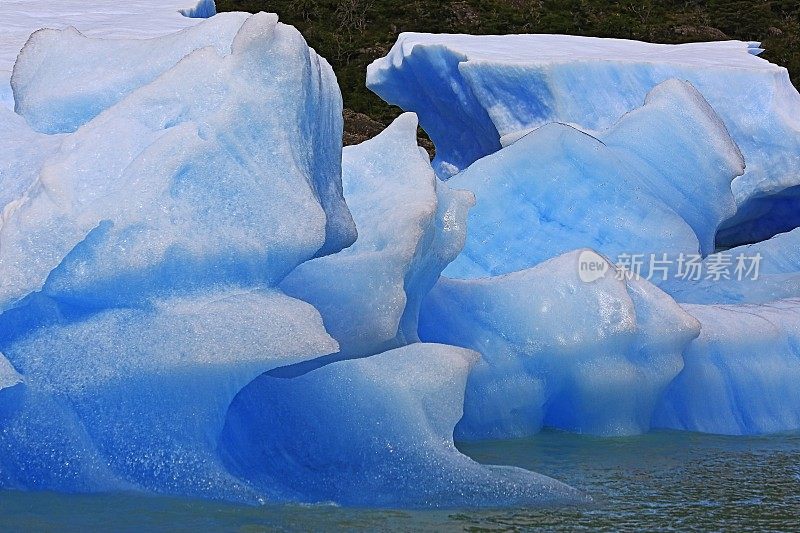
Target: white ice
pixel 97 18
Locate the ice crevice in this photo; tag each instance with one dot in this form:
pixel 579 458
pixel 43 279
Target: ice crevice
pixel 444 88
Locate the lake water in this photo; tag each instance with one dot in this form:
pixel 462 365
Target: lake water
pixel 660 481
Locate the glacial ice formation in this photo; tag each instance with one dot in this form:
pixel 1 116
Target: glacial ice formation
pixel 410 226
pixel 57 90
pixel 138 19
pixel 471 91
pixel 754 273
pixel 627 190
pixel 134 398
pixel 146 230
pixel 584 355
pixel 374 432
pixel 741 375
pixel 201 294
pixel 136 285
pixel 194 186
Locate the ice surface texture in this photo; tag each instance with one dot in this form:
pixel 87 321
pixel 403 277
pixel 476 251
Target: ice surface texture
pixel 618 356
pixel 23 152
pixel 629 189
pixel 201 294
pixel 134 399
pixel 151 217
pixel 410 226
pixel 194 186
pixel 99 18
pixel 376 431
pixel 741 374
pixel 591 357
pixel 471 91
pixel 778 274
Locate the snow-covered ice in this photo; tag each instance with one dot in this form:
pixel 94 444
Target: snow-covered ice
pixel 97 18
pixel 22 154
pixel 57 90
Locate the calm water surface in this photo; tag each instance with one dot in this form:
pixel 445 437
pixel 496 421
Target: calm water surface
pixel 659 481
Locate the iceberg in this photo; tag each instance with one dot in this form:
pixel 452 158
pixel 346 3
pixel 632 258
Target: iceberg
pixel 203 294
pixel 143 249
pixel 410 226
pixel 207 176
pixel 173 399
pixel 754 273
pixel 137 19
pixel 134 398
pixel 605 352
pixel 584 351
pixel 373 432
pixel 626 190
pixel 57 90
pixel 471 91
pixel 139 257
pixel 741 374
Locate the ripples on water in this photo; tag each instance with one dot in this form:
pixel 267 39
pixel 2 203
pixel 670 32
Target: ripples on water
pixel 658 481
